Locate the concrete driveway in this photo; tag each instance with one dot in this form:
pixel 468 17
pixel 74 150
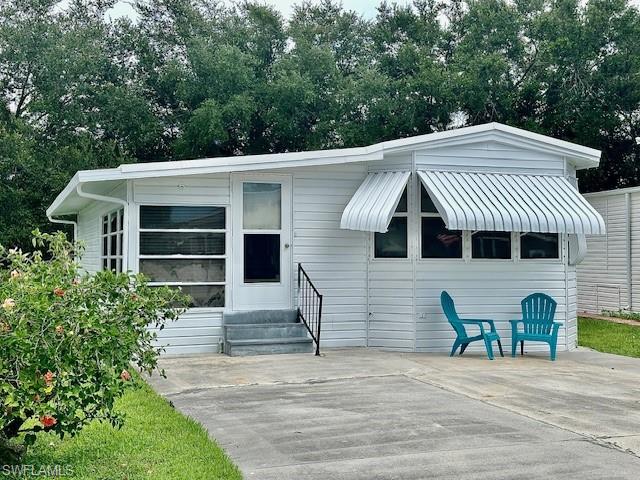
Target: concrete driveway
pixel 366 414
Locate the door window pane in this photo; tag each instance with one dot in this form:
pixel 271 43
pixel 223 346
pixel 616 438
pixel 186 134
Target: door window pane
pixel 392 244
pixel 204 295
pixel 539 245
pixel 181 217
pixel 496 245
pixel 181 243
pixel 261 206
pixel 426 204
pixel 438 242
pixel 183 270
pixel 261 258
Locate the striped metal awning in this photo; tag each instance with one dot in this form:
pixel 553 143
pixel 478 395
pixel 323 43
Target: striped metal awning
pixel 372 206
pixel 510 203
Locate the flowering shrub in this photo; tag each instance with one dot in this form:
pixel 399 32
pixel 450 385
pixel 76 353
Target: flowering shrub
pixel 67 341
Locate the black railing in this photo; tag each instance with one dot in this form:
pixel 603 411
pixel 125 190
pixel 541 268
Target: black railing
pixel 309 306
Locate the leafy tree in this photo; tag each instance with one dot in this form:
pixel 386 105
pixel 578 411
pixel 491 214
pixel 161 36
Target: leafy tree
pixel 196 78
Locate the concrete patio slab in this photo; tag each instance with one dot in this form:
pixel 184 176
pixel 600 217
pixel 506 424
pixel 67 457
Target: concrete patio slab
pixel 366 414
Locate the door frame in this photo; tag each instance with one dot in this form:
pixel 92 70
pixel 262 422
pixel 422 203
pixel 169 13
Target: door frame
pixel 237 247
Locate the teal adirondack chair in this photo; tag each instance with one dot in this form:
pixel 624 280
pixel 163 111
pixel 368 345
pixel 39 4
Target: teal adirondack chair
pixel 463 339
pixel 538 311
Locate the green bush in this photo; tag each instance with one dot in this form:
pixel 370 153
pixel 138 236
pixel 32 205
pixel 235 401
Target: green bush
pixel 68 340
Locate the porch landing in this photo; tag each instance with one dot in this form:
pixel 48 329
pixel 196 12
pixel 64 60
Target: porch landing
pixel 364 414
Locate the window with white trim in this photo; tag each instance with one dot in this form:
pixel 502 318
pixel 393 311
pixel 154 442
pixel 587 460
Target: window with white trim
pixel 539 245
pixel 491 245
pixel 436 240
pixel 394 243
pixel 111 239
pixel 185 246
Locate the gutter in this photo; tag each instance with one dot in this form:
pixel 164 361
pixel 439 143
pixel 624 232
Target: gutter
pixel 66 222
pixel 125 221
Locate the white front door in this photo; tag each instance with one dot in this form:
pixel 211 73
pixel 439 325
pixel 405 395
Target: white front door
pixel 262 265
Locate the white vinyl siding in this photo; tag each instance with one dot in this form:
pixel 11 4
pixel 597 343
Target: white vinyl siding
pixel 603 275
pixel 489 157
pixel 335 259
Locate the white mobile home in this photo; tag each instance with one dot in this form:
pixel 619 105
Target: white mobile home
pixel 608 276
pixel 489 213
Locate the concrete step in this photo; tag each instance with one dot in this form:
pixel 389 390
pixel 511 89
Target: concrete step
pixel 258 331
pixel 267 346
pixel 260 316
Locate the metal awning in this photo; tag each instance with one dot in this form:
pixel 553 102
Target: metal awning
pixel 372 206
pixel 511 203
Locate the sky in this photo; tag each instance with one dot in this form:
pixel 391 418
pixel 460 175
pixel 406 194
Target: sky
pixel 367 8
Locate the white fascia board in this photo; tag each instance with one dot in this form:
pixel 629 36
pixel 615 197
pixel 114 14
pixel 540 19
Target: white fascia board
pixel 63 195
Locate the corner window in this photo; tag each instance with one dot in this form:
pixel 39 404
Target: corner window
pixel 185 246
pixel 393 244
pixel 437 240
pixel 111 237
pixel 491 245
pixel 539 245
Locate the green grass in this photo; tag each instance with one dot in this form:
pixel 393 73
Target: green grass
pixel 609 337
pixel 156 442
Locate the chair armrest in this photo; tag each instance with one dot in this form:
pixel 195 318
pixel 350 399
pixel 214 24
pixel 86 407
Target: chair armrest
pixel 492 325
pixel 472 321
pixel 515 322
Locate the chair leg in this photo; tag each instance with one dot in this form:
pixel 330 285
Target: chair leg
pixel 521 347
pixel 500 347
pixel 552 349
pixel 456 344
pixel 514 344
pixel 463 348
pixel 487 343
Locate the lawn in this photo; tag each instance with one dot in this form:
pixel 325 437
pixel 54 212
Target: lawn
pixel 609 337
pixel 156 442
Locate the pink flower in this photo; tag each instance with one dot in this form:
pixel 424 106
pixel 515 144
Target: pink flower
pixel 9 304
pixel 48 377
pixel 58 292
pixel 126 376
pixel 48 421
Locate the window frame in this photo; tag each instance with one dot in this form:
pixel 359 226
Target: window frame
pixel 558 259
pixel 514 249
pixel 118 233
pixel 225 257
pixel 406 215
pixel 421 215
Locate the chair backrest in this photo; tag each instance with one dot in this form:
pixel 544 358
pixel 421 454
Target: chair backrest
pixel 449 309
pixel 538 310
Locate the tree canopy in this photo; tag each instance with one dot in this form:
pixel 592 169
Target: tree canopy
pixel 195 78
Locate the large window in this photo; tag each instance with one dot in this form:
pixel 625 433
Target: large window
pixel 437 241
pixel 112 229
pixel 491 245
pixel 393 244
pixel 539 245
pixel 185 247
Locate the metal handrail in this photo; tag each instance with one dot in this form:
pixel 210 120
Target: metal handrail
pixel 309 306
